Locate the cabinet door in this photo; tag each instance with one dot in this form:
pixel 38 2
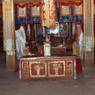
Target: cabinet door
pixel 38 69
pixel 56 69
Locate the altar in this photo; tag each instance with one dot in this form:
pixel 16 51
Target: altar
pixel 50 37
pixel 49 67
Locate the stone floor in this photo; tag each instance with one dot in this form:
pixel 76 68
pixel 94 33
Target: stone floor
pixel 11 85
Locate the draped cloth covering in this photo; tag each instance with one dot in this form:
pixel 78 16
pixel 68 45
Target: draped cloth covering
pixel 48 13
pixel 78 7
pixel 20 41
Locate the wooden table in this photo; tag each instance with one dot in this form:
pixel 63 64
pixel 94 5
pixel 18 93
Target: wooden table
pixel 47 67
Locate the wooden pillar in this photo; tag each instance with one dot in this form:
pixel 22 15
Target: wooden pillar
pixel 88 9
pixel 8 33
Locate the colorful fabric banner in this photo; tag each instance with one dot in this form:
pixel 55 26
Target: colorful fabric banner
pixel 35 9
pixel 48 13
pixel 65 8
pixel 78 10
pixel 77 2
pixel 21 10
pixel 45 9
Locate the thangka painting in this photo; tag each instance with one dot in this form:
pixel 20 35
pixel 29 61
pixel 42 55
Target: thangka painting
pixel 65 8
pixel 78 7
pixel 21 10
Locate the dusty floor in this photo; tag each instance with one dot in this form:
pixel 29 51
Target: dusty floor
pixel 11 85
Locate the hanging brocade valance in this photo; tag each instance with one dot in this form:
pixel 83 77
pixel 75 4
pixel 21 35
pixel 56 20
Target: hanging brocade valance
pixel 78 10
pixel 65 2
pixel 35 9
pixel 78 2
pixel 65 12
pixel 64 8
pixel 29 12
pixel 78 7
pixel 21 10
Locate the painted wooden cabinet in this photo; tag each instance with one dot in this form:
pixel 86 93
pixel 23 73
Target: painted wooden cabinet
pixel 47 67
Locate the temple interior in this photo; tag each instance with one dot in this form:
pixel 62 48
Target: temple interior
pixel 49 43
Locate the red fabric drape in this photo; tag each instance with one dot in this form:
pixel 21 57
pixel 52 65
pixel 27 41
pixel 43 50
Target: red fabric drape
pixel 78 3
pixel 68 2
pixel 35 4
pixel 65 3
pixel 21 5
